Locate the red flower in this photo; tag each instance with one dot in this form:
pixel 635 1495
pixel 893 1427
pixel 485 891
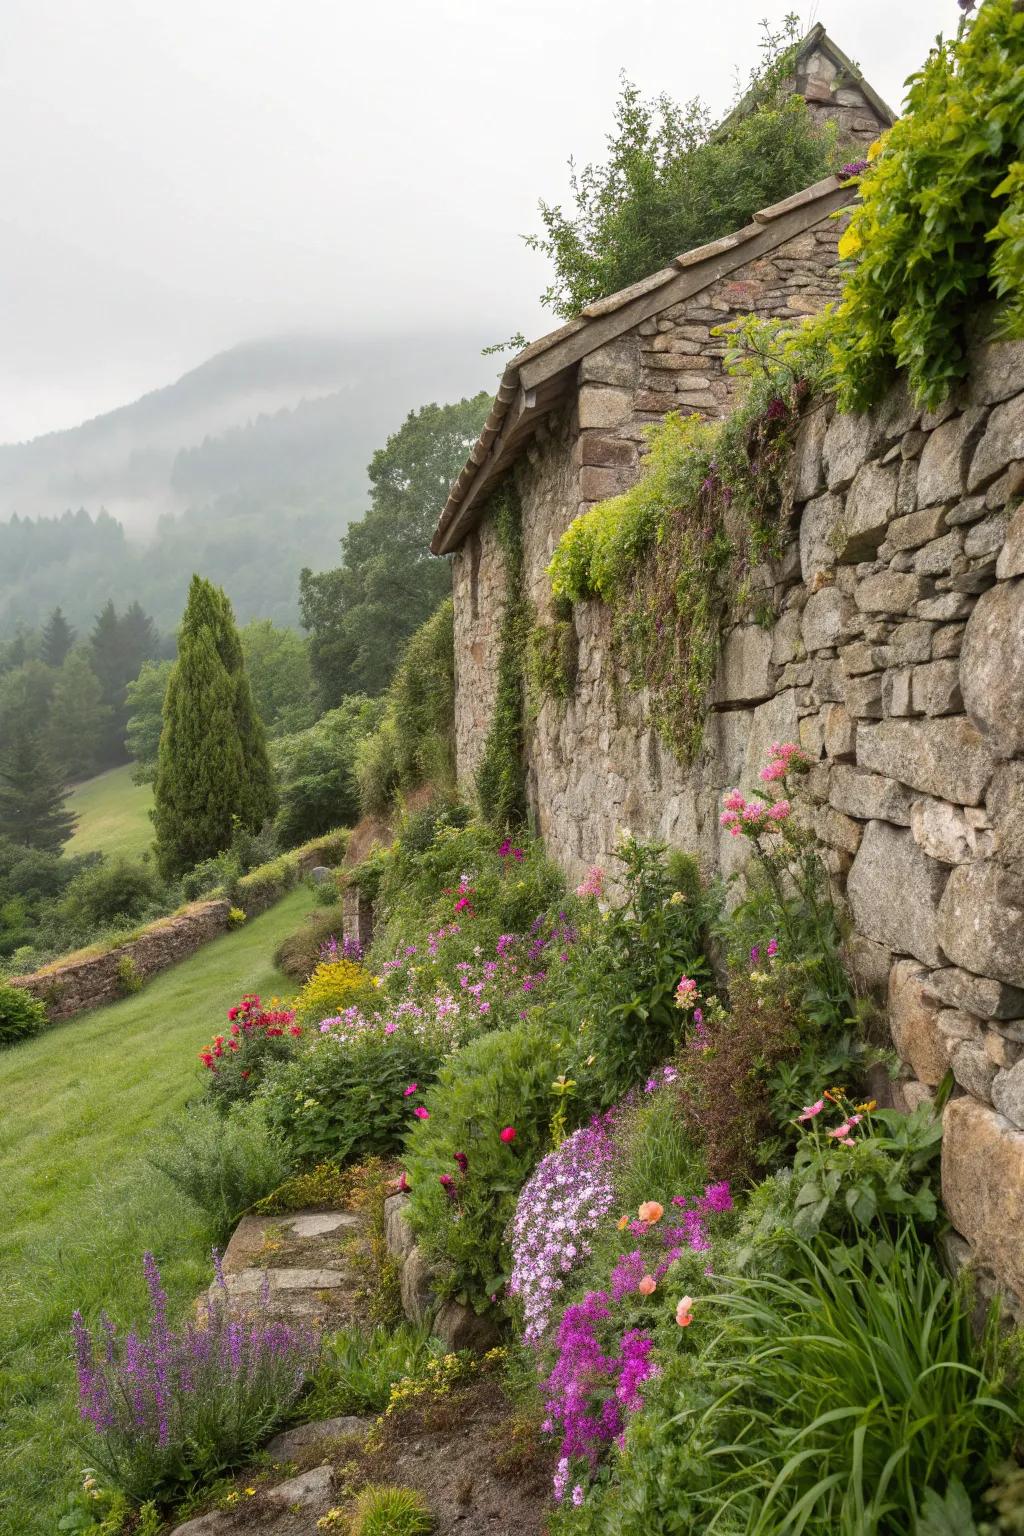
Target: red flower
pixel 295 1029
pixel 509 1133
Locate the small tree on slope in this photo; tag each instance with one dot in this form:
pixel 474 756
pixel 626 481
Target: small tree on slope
pixel 212 770
pixel 32 792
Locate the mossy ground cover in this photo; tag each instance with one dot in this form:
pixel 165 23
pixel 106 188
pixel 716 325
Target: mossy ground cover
pixel 80 1204
pixel 114 815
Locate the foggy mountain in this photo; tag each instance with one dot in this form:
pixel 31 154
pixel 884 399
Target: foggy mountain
pixel 341 397
pixel 246 469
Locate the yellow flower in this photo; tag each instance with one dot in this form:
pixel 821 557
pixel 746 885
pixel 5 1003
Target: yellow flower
pixel 249 1492
pixel 849 244
pixel 676 899
pixel 877 146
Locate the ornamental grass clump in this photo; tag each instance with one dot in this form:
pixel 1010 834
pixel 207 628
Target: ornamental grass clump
pixel 169 1405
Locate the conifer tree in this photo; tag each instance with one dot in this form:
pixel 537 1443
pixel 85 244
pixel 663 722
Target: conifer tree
pixel 79 719
pixel 58 638
pixel 213 771
pixel 32 794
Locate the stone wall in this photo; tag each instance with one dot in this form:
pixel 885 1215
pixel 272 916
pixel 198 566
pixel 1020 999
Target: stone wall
pixel 833 96
pixel 74 985
pixel 591 448
pixel 88 980
pixel 896 658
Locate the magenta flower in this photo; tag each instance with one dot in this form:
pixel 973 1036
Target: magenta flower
pixel 408 1092
pixel 421 1113
pixel 810 1110
pixel 509 1133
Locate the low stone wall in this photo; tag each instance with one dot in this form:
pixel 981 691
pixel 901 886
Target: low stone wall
pixel 459 1326
pixel 75 985
pixel 892 649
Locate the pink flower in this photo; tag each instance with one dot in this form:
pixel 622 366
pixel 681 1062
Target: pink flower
pixel 407 1092
pixel 684 1311
pixel 421 1113
pixel 775 770
pixel 686 992
pixel 754 810
pixel 647 1286
pixel 733 801
pixel 779 811
pixel 509 1133
pixel 809 1112
pixel 841 1132
pixel 592 883
pixel 727 818
pixel 773 949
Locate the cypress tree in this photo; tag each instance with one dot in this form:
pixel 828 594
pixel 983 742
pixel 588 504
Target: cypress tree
pixel 58 638
pixel 32 795
pixel 213 771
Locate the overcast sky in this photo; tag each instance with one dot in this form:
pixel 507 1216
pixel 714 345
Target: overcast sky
pixel 178 177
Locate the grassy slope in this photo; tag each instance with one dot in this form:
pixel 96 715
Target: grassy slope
pixel 114 815
pixel 79 1205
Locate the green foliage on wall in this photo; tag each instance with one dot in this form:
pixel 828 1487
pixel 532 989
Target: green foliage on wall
pixel 939 231
pixel 673 554
pixel 415 742
pixel 501 785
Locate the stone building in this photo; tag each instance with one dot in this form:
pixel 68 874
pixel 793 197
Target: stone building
pixel 895 655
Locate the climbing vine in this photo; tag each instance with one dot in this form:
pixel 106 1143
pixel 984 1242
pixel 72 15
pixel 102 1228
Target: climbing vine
pixel 672 556
pixel 938 234
pixel 501 784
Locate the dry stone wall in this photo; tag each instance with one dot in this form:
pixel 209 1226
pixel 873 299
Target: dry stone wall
pixel 892 649
pixel 74 985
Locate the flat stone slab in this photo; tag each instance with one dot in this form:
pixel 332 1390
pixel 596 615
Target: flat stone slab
pixel 290 1442
pixel 295 1505
pixel 319 1223
pixel 249 1281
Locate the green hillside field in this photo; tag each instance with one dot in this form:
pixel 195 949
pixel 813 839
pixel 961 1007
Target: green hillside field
pixel 114 815
pixel 81 1103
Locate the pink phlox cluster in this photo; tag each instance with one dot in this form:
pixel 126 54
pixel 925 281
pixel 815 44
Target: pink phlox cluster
pixel 592 883
pixel 562 1203
pixel 742 817
pixel 589 1392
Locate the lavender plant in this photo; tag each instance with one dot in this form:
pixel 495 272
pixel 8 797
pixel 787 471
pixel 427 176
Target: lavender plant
pixel 170 1405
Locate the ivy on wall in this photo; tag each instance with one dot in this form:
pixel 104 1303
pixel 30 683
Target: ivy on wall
pixel 501 780
pixel 672 555
pixel 938 235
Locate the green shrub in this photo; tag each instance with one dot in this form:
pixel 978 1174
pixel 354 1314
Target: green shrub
pixel 21 1014
pixel 343 1096
pixel 316 771
pixel 358 1369
pixel 417 880
pixel 939 231
pixel 99 896
pixel 129 978
pixel 617 990
pixel 385 1511
pixel 265 884
pixel 498 1082
pixel 217 874
pixel 415 742
pixel 299 954
pixel 224 1163
pixel 674 181
pixel 828 1400
pixel 336 985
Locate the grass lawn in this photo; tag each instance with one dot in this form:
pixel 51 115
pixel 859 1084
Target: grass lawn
pixel 78 1105
pixel 114 815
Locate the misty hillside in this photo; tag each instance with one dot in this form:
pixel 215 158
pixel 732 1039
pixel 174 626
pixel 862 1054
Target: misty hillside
pixel 149 457
pixel 246 469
